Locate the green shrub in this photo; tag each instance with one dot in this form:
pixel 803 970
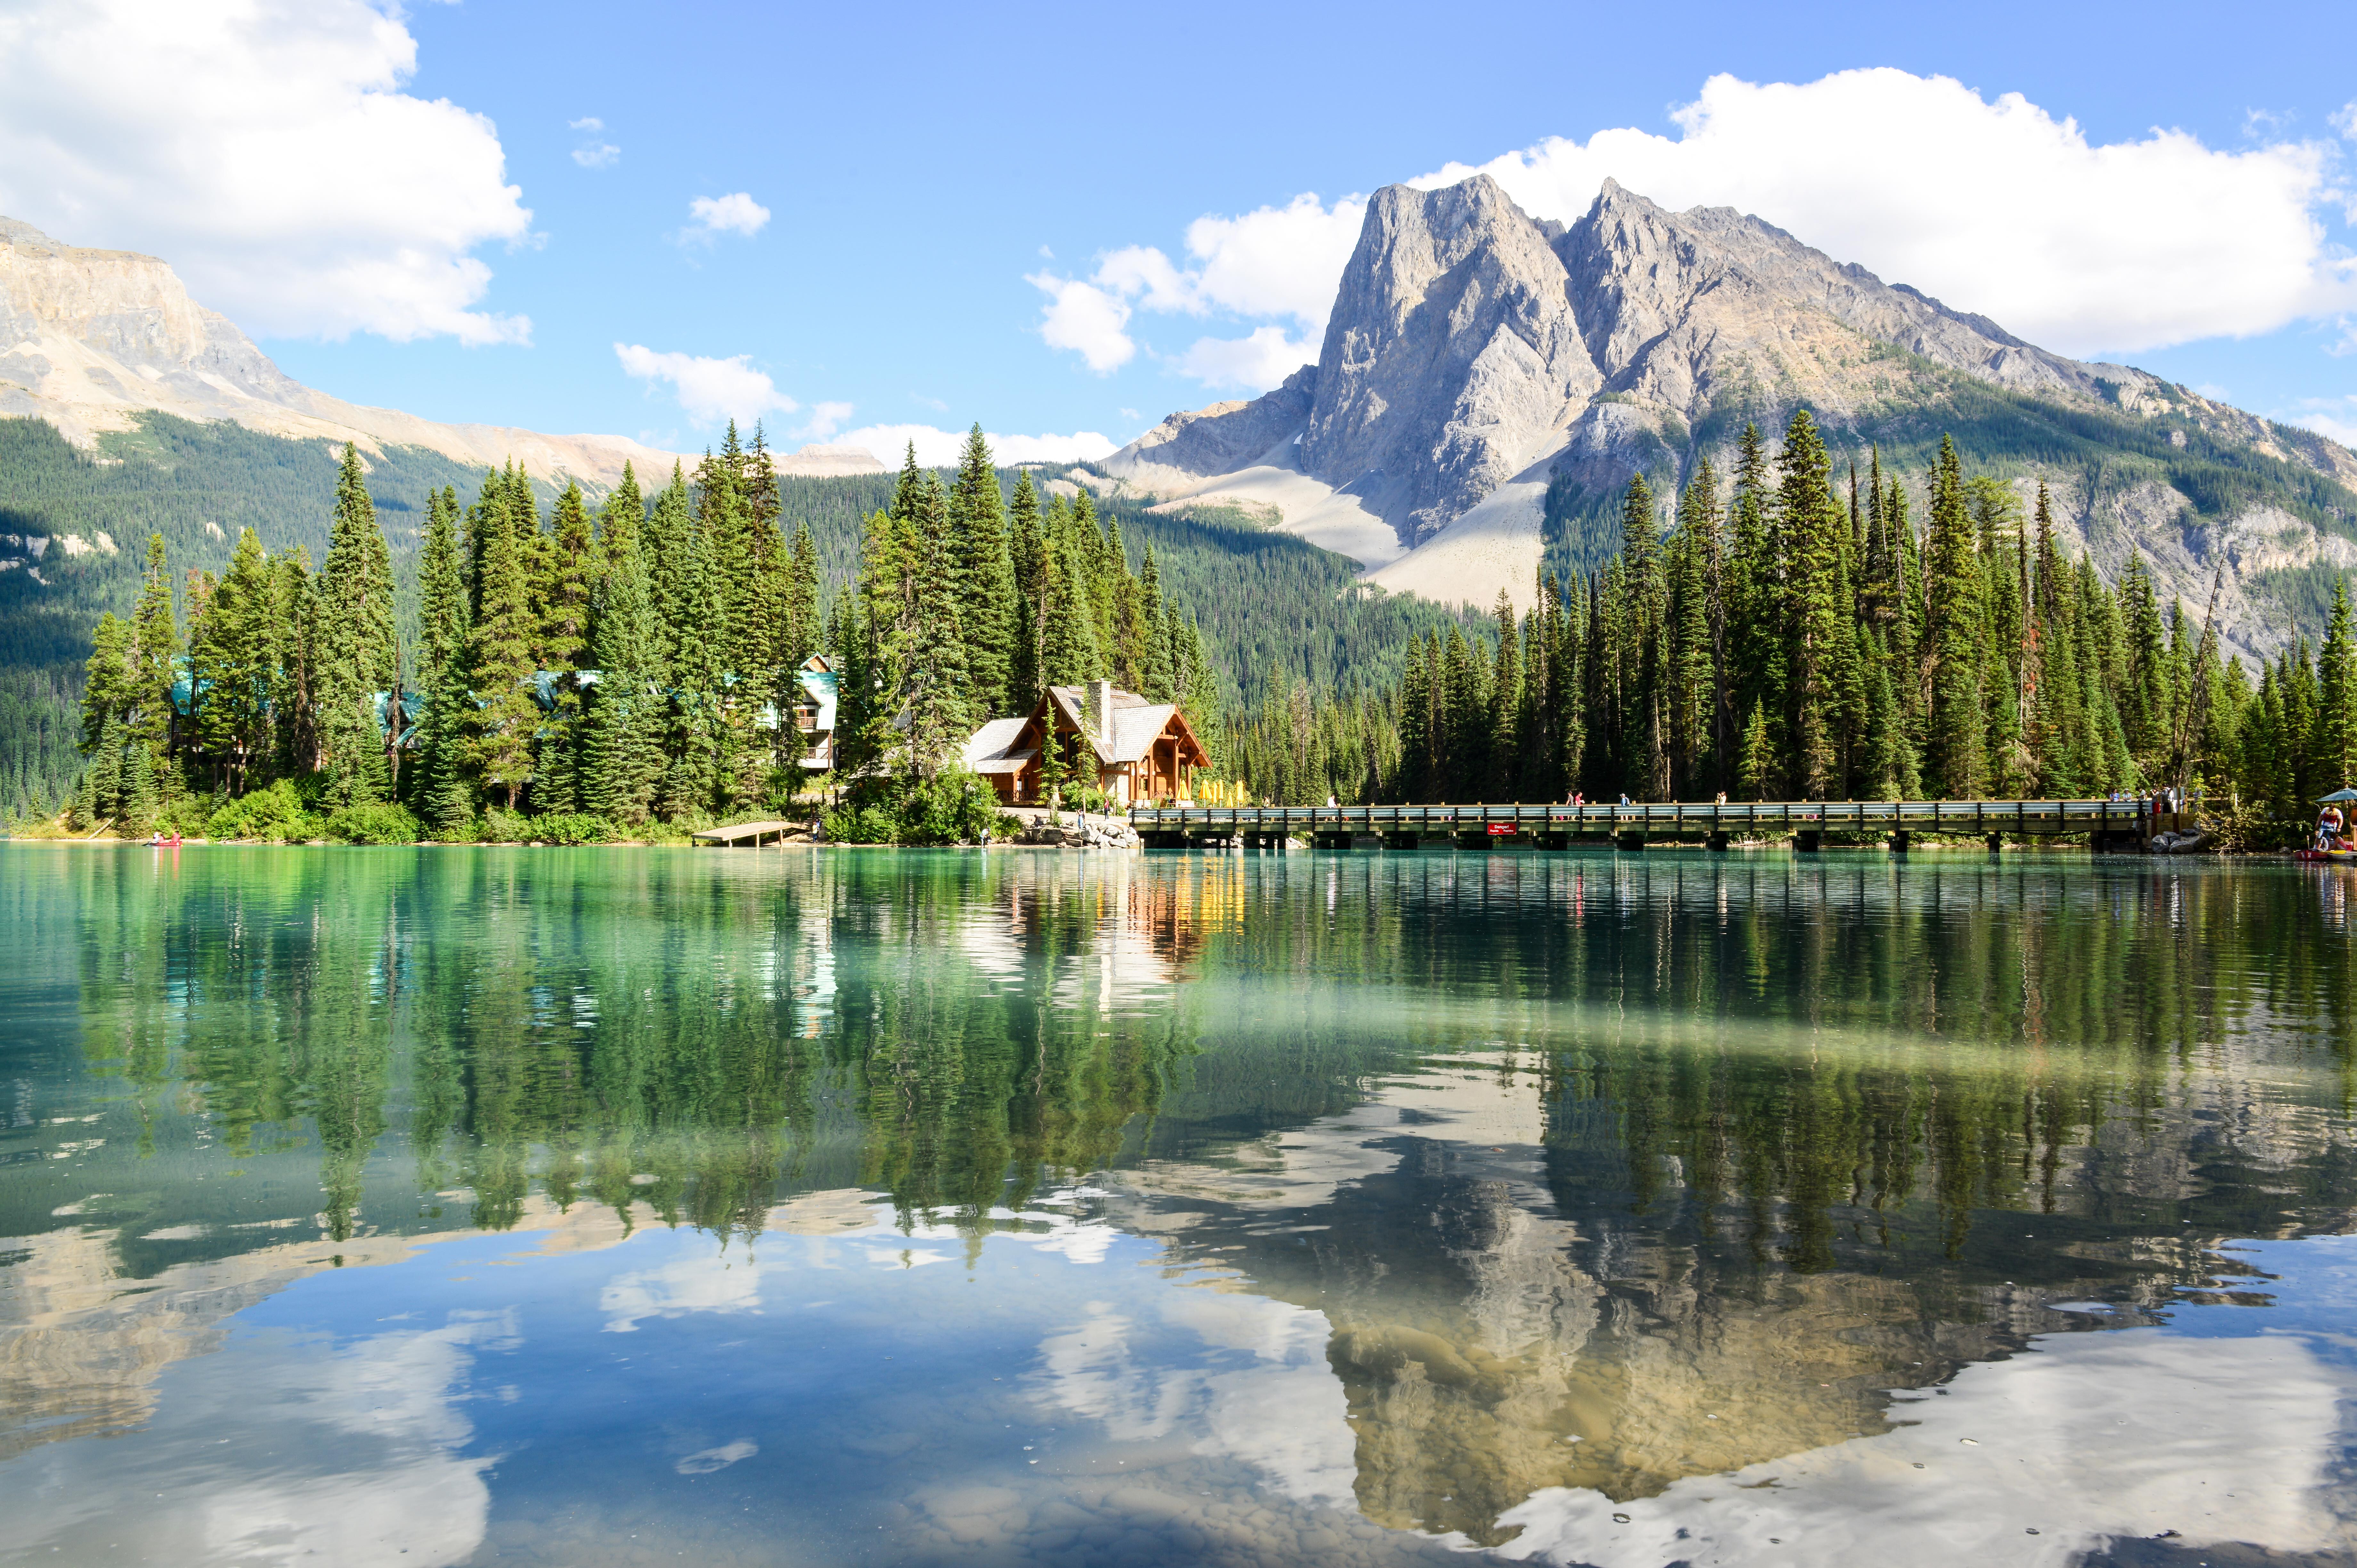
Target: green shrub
pixel 503 826
pixel 276 814
pixel 862 824
pixel 378 822
pixel 190 815
pixel 953 806
pixel 570 828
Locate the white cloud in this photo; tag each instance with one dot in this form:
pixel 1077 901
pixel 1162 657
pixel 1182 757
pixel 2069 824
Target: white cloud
pixel 1253 364
pixel 825 419
pixel 2035 1441
pixel 2335 417
pixel 735 213
pixel 593 152
pixel 1278 261
pixel 1993 207
pixel 939 449
pixel 265 149
pixel 1086 319
pixel 1275 260
pixel 711 390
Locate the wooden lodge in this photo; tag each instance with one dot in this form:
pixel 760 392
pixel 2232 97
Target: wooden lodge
pixel 1137 752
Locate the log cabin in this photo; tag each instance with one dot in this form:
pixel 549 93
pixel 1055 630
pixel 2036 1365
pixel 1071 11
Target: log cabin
pixel 1132 751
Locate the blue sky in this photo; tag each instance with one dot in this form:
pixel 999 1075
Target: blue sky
pixel 975 214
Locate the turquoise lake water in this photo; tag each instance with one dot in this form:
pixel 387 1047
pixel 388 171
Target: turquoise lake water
pixel 416 1206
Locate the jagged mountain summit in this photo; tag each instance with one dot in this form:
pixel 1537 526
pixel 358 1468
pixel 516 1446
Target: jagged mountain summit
pixel 1478 360
pixel 90 338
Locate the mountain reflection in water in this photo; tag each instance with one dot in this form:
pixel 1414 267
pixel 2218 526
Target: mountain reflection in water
pixel 1555 1204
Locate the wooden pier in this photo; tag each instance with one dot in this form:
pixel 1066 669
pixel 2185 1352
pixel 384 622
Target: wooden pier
pixel 2107 825
pixel 750 834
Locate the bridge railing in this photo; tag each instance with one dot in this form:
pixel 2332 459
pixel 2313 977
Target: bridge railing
pixel 1686 816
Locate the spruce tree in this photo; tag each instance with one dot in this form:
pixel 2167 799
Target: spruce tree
pixel 1639 655
pixel 563 615
pixel 1813 525
pixel 1023 682
pixel 233 658
pixel 1157 680
pixel 937 686
pixel 293 694
pixel 1953 635
pixel 698 748
pixel 1504 773
pixel 1068 646
pixel 1414 724
pixel 2337 698
pixel 622 726
pixel 676 590
pixel 985 576
pixel 442 793
pixel 107 688
pixel 359 656
pixel 802 628
pixel 1755 586
pixel 503 727
pixel 154 643
pixel 1756 764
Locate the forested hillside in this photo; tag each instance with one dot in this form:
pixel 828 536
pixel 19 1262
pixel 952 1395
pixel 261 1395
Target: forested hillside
pixel 73 531
pixel 2093 457
pixel 1273 609
pixel 1801 634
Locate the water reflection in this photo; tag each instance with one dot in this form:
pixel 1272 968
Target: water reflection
pixel 1554 1204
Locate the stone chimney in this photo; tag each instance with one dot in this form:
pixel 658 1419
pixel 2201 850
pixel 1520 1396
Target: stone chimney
pixel 1100 711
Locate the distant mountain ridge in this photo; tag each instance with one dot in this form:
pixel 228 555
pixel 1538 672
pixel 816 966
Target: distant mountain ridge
pixel 91 337
pixel 1479 362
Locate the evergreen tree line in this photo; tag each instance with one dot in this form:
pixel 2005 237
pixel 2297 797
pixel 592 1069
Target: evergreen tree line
pixel 622 664
pixel 1781 638
pixel 969 604
pixel 627 664
pixel 198 485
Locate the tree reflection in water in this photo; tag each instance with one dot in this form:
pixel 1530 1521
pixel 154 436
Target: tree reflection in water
pixel 1604 1171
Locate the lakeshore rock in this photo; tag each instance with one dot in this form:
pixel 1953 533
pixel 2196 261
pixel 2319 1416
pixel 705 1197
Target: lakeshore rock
pixel 1097 832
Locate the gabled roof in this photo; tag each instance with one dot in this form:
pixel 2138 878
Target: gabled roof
pixel 986 751
pixel 1136 721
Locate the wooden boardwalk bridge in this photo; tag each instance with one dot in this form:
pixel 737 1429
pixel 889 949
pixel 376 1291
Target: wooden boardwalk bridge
pixel 2107 825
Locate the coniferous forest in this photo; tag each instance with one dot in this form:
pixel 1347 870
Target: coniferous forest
pixel 1796 634
pixel 625 666
pixel 605 669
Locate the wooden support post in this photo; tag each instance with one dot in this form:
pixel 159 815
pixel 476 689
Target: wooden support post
pixel 1629 841
pixel 1808 841
pixel 1900 842
pixel 1716 840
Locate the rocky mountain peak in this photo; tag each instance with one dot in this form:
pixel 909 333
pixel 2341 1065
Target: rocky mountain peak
pixel 90 338
pixel 1451 357
pixel 1475 356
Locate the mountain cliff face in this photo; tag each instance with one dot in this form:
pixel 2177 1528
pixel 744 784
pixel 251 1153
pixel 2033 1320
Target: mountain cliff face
pixel 1477 359
pixel 89 339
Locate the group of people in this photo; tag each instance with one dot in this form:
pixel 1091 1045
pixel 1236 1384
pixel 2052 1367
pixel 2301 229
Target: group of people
pixel 2330 827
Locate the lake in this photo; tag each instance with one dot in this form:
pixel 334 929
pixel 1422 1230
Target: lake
pixel 421 1207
